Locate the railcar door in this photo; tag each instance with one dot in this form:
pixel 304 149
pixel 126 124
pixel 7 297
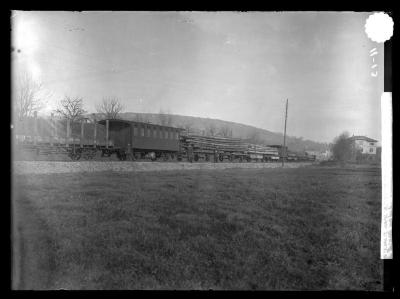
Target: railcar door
pixel 120 134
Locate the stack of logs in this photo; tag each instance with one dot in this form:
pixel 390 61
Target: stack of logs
pixel 235 146
pixel 262 150
pixel 207 145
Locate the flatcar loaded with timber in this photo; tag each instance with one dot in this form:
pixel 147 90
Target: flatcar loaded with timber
pixel 131 140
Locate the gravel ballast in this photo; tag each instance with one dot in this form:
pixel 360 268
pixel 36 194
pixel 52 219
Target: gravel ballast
pixel 43 167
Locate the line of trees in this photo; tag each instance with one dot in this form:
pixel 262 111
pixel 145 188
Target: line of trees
pixel 30 96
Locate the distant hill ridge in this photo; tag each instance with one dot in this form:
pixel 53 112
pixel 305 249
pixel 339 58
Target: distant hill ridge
pixel 201 125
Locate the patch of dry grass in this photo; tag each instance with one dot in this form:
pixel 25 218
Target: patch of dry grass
pixel 275 229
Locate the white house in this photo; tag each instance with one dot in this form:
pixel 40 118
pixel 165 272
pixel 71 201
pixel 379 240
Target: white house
pixel 365 144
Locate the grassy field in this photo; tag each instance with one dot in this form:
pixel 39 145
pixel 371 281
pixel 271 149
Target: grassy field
pixel 277 229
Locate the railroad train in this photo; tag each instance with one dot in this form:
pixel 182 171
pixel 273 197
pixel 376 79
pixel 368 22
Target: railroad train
pixel 132 140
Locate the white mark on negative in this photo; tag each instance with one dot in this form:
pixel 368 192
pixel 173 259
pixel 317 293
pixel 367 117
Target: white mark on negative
pixel 379 27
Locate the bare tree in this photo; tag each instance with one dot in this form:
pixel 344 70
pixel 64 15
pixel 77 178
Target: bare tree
pixel 342 148
pixel 29 97
pixel 187 125
pixel 140 117
pixel 165 119
pixel 225 131
pixel 211 130
pixel 254 137
pixel 71 108
pixel 110 108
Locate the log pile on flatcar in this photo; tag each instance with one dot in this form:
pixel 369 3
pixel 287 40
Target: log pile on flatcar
pixel 213 148
pixel 231 149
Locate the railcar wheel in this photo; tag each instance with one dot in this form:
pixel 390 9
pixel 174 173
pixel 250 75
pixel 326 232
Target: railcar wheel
pixel 122 156
pixel 88 155
pixel 105 153
pixel 221 157
pixel 75 156
pixel 240 159
pixel 196 157
pixel 248 159
pixel 132 156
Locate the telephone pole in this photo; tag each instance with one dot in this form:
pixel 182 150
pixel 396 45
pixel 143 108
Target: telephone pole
pixel 284 136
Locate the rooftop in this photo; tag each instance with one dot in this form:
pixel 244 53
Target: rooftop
pixel 363 138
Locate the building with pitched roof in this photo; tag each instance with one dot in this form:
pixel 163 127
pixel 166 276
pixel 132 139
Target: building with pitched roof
pixel 365 144
pixel 364 148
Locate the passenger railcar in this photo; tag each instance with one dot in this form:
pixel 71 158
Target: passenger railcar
pixel 134 140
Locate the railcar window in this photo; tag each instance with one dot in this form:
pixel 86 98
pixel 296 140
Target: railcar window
pixel 154 132
pixel 135 131
pixel 148 131
pixel 159 133
pixel 142 131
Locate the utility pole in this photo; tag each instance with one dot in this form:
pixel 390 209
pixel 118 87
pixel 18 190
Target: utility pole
pixel 284 137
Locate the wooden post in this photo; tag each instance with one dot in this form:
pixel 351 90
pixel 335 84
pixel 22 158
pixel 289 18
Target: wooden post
pixel 68 132
pixel 284 137
pixel 95 130
pixel 35 128
pixel 52 129
pixel 107 126
pixel 82 133
pixel 55 131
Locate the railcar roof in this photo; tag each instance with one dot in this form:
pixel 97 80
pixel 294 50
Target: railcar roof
pixel 103 122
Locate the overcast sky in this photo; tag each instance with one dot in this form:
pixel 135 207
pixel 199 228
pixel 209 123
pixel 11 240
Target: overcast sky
pixel 232 66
